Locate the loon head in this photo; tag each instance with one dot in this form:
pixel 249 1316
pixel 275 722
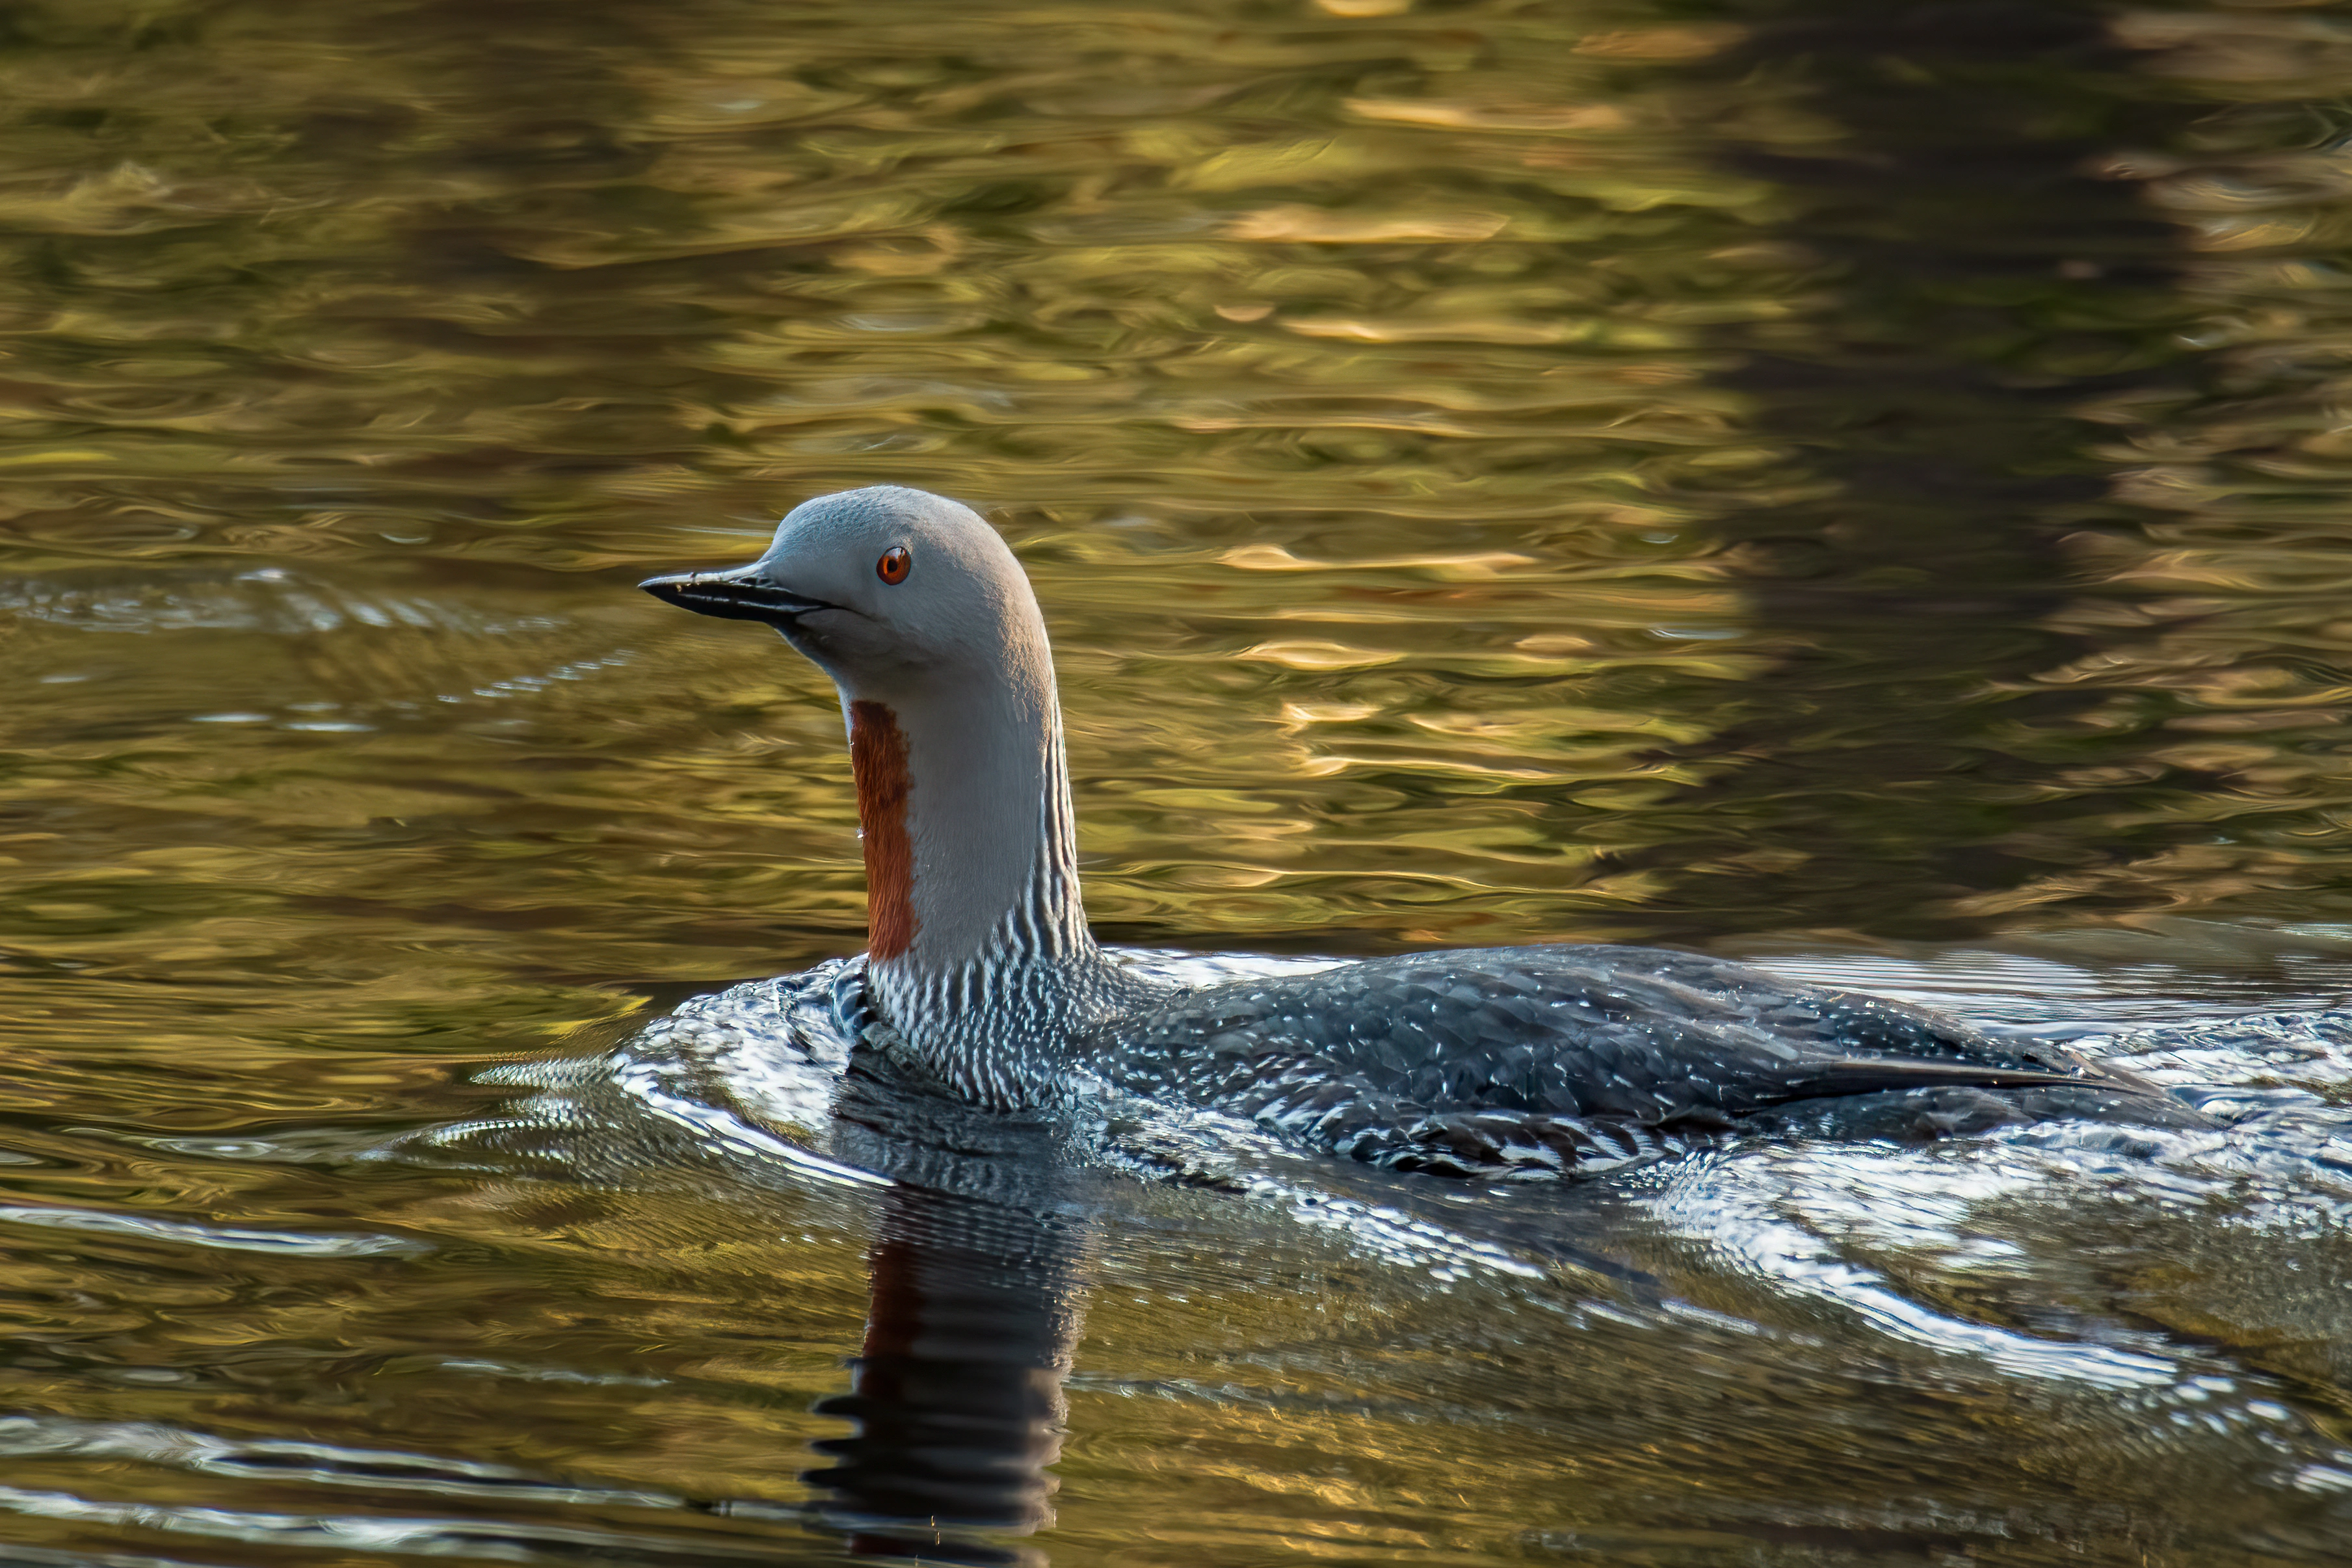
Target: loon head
pixel 888 590
pixel 925 621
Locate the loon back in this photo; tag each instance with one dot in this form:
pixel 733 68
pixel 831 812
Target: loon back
pixel 1562 1056
pixel 980 965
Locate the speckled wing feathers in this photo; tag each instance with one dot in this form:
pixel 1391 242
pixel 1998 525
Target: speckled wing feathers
pixel 1548 1058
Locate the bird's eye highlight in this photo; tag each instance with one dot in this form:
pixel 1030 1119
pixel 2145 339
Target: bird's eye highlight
pixel 894 565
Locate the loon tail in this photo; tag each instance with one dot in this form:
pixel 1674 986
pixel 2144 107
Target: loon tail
pixel 2098 1094
pixel 1879 1074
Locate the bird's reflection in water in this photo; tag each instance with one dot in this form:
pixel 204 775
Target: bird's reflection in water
pixel 958 1395
pixel 983 1240
pixel 977 1274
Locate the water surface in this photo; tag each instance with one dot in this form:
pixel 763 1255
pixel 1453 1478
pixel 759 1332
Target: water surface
pixel 1855 485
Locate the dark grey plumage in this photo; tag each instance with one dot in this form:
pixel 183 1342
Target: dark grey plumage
pixel 1548 1059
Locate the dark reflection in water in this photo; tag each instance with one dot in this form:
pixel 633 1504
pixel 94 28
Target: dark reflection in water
pixel 957 1391
pixel 1976 278
pixel 977 1275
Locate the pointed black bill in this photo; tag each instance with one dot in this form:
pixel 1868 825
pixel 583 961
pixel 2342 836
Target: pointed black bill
pixel 742 594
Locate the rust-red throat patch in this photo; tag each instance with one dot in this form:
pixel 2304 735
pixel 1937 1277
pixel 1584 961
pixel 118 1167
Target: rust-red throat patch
pixel 877 757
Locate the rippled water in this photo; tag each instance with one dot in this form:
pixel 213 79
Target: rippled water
pixel 1857 486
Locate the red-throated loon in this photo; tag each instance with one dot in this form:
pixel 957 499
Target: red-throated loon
pixel 980 962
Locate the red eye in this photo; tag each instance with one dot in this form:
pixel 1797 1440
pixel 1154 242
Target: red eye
pixel 894 565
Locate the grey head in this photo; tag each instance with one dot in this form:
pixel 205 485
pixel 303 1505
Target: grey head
pixel 918 612
pixel 885 590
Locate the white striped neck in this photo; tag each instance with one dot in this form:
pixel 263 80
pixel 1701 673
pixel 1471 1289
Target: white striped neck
pixel 980 957
pixel 979 954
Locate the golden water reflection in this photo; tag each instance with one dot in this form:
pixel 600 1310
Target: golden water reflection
pixel 1726 474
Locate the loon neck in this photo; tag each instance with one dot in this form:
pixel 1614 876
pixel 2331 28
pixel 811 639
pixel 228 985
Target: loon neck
pixel 971 853
pixel 979 955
